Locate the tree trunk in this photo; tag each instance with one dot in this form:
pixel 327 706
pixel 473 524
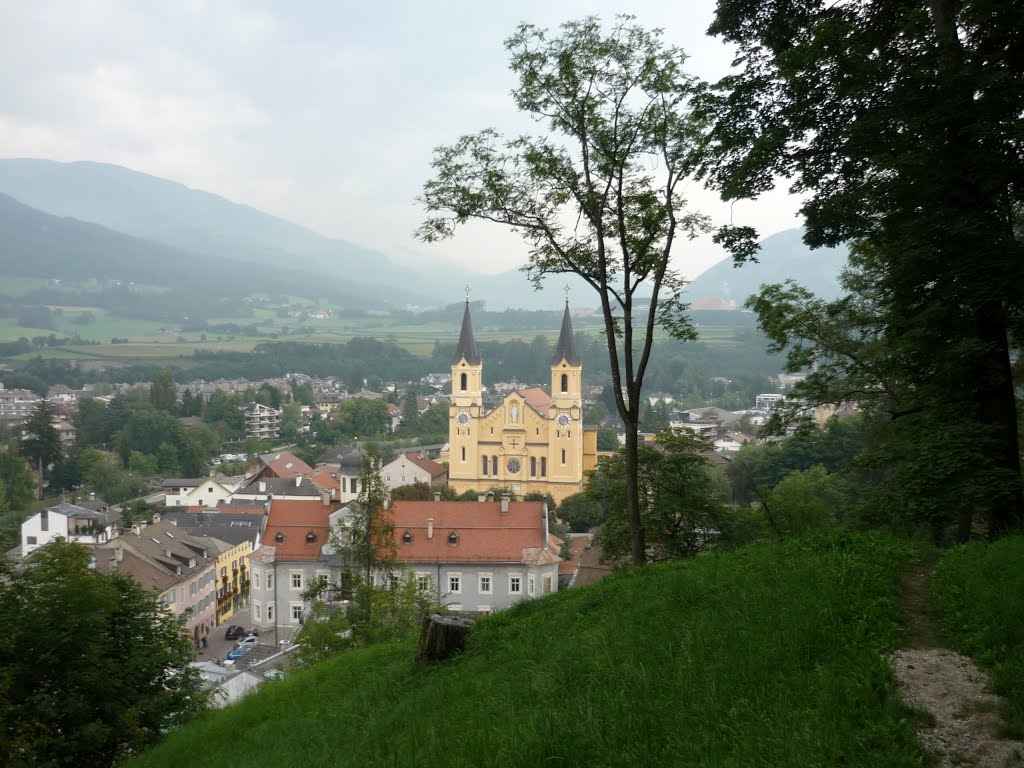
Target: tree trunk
pixel 997 412
pixel 442 636
pixel 638 547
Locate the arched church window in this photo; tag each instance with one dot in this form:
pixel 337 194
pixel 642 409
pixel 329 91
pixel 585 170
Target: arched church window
pixel 565 382
pixel 462 381
pixel 485 465
pixel 533 466
pixel 543 466
pixel 494 465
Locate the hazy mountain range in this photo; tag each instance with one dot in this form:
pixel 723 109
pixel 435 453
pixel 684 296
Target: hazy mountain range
pixel 101 220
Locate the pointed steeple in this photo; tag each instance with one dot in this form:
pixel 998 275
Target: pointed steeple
pixel 565 349
pixel 467 344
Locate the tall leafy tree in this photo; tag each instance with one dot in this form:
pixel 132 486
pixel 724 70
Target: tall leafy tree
pixel 16 477
pixel 410 409
pixel 108 671
pixel 162 393
pixel 40 440
pixel 92 422
pixel 900 123
pixel 584 196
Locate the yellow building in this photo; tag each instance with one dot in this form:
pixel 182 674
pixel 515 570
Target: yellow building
pixel 529 441
pixel 232 580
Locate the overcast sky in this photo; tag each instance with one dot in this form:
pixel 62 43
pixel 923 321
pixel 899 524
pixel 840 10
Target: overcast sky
pixel 324 113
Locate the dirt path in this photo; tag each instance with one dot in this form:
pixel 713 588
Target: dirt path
pixel 949 688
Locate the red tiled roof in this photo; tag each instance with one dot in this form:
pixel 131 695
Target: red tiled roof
pixel 295 520
pixel 538 399
pixel 287 465
pixel 325 481
pixel 429 465
pixel 483 532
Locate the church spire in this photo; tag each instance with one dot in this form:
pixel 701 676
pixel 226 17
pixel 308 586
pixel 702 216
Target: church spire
pixel 565 349
pixel 467 344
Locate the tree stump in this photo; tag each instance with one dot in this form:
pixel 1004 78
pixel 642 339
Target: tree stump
pixel 441 636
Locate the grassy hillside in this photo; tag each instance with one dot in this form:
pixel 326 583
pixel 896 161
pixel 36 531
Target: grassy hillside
pixel 768 656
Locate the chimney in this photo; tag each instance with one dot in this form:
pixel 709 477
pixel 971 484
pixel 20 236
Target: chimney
pixel 387 502
pixel 482 498
pixel 504 502
pixel 174 523
pixel 118 553
pixel 137 528
pixel 490 495
pixel 437 495
pixel 298 480
pixel 430 529
pixel 92 496
pixel 156 518
pixel 325 497
pixel 263 487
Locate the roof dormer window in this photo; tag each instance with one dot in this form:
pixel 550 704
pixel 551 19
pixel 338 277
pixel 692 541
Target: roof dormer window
pixel 407 537
pixel 311 538
pixel 279 538
pixel 453 538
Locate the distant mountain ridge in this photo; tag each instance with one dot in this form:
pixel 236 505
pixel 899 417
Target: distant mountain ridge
pixel 38 244
pixel 782 256
pixel 175 215
pixel 172 215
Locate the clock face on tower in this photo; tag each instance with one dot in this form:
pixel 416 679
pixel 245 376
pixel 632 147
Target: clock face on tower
pixel 463 418
pixel 513 466
pixel 563 420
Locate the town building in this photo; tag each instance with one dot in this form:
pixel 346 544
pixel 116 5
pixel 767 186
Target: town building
pixel 261 421
pixel 241 534
pixel 527 440
pixel 478 556
pixel 69 522
pixel 410 468
pixel 161 556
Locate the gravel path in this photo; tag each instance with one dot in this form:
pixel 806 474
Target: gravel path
pixel 951 689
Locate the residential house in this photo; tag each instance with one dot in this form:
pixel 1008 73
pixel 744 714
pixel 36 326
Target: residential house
pixel 395 416
pixel 411 468
pixel 346 464
pixel 261 421
pixel 16 404
pixel 161 556
pixel 766 402
pixel 267 465
pixel 731 442
pixel 478 556
pixel 70 522
pixel 288 564
pixel 295 488
pixel 241 535
pixel 199 491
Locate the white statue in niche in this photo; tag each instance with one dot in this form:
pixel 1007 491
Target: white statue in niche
pixel 515 413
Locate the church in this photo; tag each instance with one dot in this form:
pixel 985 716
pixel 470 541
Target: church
pixel 528 441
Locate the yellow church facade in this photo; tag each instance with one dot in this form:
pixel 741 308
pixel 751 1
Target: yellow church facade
pixel 530 441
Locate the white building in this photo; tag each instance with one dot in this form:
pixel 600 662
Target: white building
pixel 68 522
pixel 262 421
pixel 199 491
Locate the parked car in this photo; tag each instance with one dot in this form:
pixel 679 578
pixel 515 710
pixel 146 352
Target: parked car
pixel 237 653
pixel 249 642
pixel 234 632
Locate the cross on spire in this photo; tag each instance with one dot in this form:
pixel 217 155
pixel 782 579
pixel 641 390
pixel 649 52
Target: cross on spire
pixel 467 293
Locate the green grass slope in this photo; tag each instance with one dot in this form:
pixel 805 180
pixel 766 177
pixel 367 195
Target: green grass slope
pixel 768 656
pixel 978 594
